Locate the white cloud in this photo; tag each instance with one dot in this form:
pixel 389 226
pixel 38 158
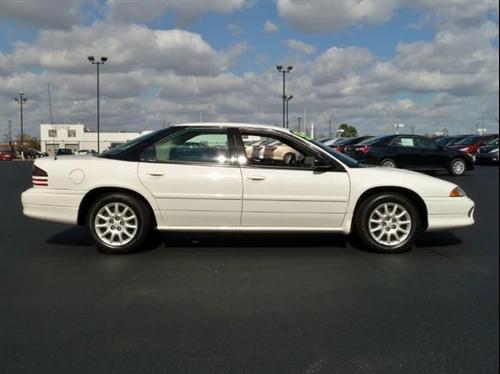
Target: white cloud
pixel 328 15
pixel 128 47
pixel 46 14
pixel 270 27
pixel 300 47
pixel 185 10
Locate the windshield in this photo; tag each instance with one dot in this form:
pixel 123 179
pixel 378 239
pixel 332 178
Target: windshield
pixel 444 141
pixel 119 149
pixel 493 142
pixel 469 140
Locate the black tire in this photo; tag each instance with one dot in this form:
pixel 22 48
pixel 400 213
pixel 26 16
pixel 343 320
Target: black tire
pixel 362 216
pixel 457 171
pixel 144 223
pixel 386 161
pixel 289 159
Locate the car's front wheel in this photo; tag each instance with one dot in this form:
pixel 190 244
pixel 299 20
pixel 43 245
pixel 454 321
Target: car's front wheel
pixel 119 223
pixel 387 223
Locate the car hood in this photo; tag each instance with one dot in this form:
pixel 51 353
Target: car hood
pixel 422 184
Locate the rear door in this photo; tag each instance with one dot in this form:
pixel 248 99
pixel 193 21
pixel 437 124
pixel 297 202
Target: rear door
pixel 405 152
pixel 191 175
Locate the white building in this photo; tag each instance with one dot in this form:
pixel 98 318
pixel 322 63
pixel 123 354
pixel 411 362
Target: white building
pixel 77 138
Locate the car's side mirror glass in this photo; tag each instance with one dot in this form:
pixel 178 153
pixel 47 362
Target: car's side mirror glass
pixel 321 164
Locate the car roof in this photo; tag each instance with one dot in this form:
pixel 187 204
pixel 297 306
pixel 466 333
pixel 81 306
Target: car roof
pixel 231 125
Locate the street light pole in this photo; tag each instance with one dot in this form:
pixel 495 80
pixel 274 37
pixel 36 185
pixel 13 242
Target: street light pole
pixel 21 100
pixel 284 71
pixel 93 61
pixel 288 98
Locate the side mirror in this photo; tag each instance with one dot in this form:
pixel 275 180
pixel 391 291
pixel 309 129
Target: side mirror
pixel 323 165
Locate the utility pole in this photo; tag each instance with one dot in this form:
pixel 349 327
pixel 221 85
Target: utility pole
pixel 298 120
pixel 330 127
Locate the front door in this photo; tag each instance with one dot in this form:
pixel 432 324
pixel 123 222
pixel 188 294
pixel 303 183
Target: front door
pixel 191 176
pixel 281 189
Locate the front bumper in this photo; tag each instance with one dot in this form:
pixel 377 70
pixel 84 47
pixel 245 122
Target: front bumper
pixel 486 157
pixel 52 205
pixel 449 213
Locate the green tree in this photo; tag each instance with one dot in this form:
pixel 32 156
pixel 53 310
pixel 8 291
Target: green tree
pixel 348 131
pixel 29 141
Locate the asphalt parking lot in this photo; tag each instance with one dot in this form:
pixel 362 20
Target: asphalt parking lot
pixel 219 303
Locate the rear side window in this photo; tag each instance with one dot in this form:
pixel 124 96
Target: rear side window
pixel 428 144
pixel 191 146
pixel 404 142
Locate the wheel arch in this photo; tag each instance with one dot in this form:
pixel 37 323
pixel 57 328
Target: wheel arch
pixel 99 191
pixel 412 195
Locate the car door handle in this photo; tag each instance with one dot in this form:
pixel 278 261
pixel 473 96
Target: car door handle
pixel 156 174
pixel 256 177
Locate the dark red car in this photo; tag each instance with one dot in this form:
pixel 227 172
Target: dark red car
pixel 471 144
pixel 6 154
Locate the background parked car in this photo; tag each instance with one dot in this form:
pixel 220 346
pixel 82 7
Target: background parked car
pixel 86 152
pixel 7 154
pixel 471 144
pixel 341 145
pixel 31 153
pixel 64 152
pixel 488 153
pixel 331 141
pixel 448 141
pixel 411 152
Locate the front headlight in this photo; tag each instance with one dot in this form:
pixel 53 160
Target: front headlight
pixel 494 151
pixel 457 192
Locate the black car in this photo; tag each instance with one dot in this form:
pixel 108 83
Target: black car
pixel 448 141
pixel 411 152
pixel 341 145
pixel 64 152
pixel 488 153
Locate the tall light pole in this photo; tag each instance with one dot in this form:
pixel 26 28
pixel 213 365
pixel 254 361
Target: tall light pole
pixel 93 61
pixel 284 71
pixel 298 120
pixel 21 100
pixel 288 98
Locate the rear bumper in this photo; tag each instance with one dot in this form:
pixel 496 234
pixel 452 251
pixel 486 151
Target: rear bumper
pixel 449 213
pixel 52 205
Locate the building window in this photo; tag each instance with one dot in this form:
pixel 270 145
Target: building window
pixel 52 133
pixel 71 133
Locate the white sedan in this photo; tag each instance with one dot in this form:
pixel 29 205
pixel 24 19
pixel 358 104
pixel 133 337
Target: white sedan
pixel 199 177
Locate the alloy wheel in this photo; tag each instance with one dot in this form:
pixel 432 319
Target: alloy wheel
pixel 116 224
pixel 390 224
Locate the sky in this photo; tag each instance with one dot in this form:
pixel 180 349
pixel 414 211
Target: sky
pixel 427 64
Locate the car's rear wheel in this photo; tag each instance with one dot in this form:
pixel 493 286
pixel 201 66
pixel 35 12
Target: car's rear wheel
pixel 119 223
pixel 388 163
pixel 387 223
pixel 457 167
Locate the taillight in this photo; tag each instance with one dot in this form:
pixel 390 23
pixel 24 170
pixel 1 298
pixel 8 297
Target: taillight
pixel 340 149
pixel 364 149
pixel 39 176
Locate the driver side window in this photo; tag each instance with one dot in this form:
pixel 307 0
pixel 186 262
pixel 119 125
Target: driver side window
pixel 269 150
